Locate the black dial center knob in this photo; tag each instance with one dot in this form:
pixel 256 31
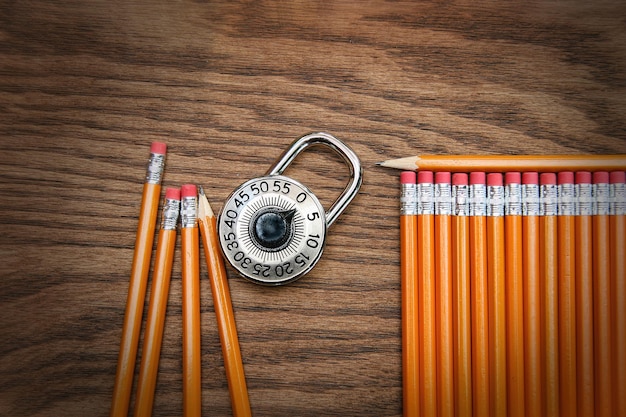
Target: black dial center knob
pixel 272 229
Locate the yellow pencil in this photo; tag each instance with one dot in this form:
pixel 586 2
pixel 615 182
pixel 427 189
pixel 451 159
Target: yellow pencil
pixel 497 294
pixel 482 397
pixel 410 306
pixel 192 394
pixel 549 267
pixel 223 310
pixel 505 163
pixel 426 293
pixel 153 334
pixel 618 273
pixel 138 281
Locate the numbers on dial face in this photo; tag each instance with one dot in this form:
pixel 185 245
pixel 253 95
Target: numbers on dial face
pixel 272 229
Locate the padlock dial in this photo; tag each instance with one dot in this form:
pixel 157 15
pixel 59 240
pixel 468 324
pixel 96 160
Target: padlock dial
pixel 272 229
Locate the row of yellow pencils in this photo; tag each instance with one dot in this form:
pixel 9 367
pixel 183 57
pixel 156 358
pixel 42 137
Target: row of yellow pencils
pixel 195 213
pixel 513 293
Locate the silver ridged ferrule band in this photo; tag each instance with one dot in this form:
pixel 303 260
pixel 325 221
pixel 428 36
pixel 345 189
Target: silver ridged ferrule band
pixel 618 199
pixel 425 198
pixel 584 199
pixel 171 211
pixel 443 199
pixel 602 199
pixel 478 200
pixel 408 199
pixel 495 200
pixel 566 199
pixel 513 199
pixel 530 200
pixel 156 163
pixel 460 198
pixel 189 211
pixel 548 200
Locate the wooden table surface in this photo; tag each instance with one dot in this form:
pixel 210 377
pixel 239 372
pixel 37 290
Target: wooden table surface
pixel 85 87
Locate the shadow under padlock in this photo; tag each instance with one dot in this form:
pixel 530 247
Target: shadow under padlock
pixel 273 229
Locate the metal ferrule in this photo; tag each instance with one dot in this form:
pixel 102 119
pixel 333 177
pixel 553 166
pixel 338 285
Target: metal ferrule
pixel 513 200
pixel 530 200
pixel 601 196
pixel 408 199
pixel 548 200
pixel 189 212
pixel 443 199
pixel 584 199
pixel 171 211
pixel 460 198
pixel 618 199
pixel 566 199
pixel 156 163
pixel 478 200
pixel 425 198
pixel 495 200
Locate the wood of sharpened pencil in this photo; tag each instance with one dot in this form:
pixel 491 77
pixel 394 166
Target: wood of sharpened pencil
pixel 505 163
pixel 549 267
pixel 153 335
pixel 584 294
pixel 497 294
pixel 514 289
pixel 533 330
pixel 481 376
pixel 567 293
pixel 618 272
pixel 138 281
pixel 224 313
pixel 443 294
pixel 604 341
pixel 410 306
pixel 461 295
pixel 192 406
pixel 426 293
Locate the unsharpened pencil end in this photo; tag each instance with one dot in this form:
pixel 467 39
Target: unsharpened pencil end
pixel 158 147
pixel 172 193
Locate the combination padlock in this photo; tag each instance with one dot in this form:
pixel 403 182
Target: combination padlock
pixel 273 228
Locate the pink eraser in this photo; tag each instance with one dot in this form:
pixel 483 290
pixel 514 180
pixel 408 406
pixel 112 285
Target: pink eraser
pixel 477 178
pixel 459 178
pixel 547 178
pixel 583 177
pixel 512 178
pixel 424 177
pixel 408 177
pixel 172 193
pixel 617 177
pixel 601 177
pixel 442 177
pixel 158 147
pixel 530 178
pixel 188 190
pixel 565 177
pixel 494 179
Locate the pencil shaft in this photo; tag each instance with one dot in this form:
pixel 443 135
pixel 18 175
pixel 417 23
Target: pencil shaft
pixel 618 272
pixel 584 315
pixel 567 315
pixel 549 268
pixel 533 331
pixel 410 307
pixel 504 163
pixel 191 322
pixel 497 317
pixel 426 294
pixel 604 342
pixel 135 301
pixel 443 305
pixel 514 315
pixel 153 335
pixel 480 316
pixel 462 315
pixel 225 315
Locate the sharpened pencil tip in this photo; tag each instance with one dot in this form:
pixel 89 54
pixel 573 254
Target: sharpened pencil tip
pixel 200 190
pixel 204 207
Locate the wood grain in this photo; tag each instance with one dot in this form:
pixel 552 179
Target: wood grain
pixel 86 86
